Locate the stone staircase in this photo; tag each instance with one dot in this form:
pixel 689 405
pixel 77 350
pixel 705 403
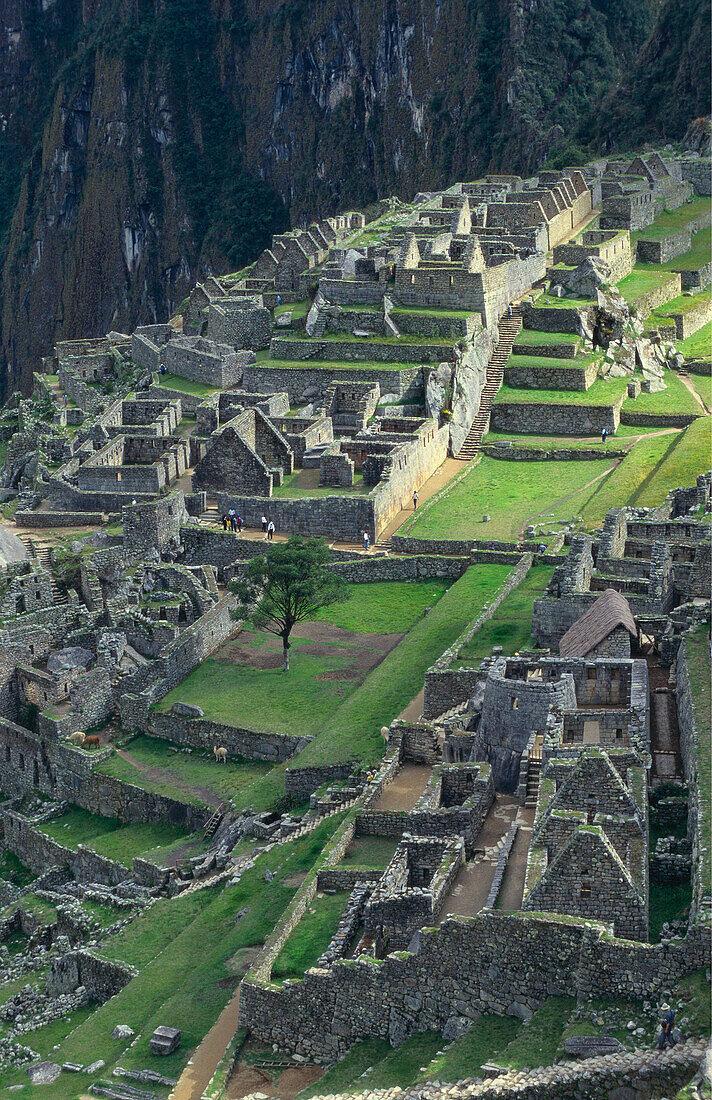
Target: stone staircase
pixel 509 327
pixel 533 777
pixel 40 553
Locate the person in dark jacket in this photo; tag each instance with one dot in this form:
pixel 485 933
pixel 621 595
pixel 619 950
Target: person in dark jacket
pixel 667 1028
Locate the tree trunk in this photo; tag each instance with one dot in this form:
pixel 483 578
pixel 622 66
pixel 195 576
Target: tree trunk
pixel 285 651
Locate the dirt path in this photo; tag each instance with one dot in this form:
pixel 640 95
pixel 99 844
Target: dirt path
pixel 445 473
pixel 474 879
pixel 406 788
pixel 512 889
pixel 688 385
pixel 414 710
pixel 165 775
pixel 196 1075
pixel 562 500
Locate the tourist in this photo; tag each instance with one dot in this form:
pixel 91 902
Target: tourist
pixel 162 368
pixel 509 311
pixel 239 523
pixel 668 1025
pixel 604 435
pixel 415 499
pixel 270 530
pixel 233 523
pixel 366 540
pixel 224 521
pixel 264 525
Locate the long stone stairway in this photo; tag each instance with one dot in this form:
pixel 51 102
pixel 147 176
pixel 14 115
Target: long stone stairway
pixel 509 327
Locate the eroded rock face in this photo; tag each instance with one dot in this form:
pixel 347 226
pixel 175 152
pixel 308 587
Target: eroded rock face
pixel 586 279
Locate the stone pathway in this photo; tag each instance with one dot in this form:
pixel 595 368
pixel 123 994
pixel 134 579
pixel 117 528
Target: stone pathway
pixel 472 885
pixel 405 790
pixel 688 385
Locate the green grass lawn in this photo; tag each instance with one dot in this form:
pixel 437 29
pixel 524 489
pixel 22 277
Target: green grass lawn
pixel 12 870
pixel 191 778
pixel 702 385
pixel 329 365
pixel 674 400
pixel 699 345
pixel 346 337
pixel 696 257
pixel 669 221
pixel 537 339
pixel 109 837
pixel 670 901
pixel 541 362
pixel 465 1057
pixel 297 309
pixel 302 701
pixel 653 466
pixel 417 311
pixel 374 1064
pixel 537 1042
pixel 301 484
pixel 610 392
pixel 510 626
pixel 642 280
pixel 680 305
pixel 190 953
pixel 512 493
pixel 549 301
pixel 184 385
pixel 386 607
pixel 370 851
pixel 311 937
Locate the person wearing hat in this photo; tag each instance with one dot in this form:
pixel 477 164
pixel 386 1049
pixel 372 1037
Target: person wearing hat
pixel 666 1030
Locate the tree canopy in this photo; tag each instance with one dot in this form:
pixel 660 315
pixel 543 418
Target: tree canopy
pixel 289 583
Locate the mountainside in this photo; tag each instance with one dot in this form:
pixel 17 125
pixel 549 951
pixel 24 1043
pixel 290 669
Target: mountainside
pixel 147 142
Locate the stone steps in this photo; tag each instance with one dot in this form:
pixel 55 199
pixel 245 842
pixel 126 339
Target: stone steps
pixel 509 328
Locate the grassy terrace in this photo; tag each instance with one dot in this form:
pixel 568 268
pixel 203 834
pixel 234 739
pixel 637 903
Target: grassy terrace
pixel 610 392
pixel 329 365
pixel 297 309
pixel 184 385
pixel 510 626
pixel 671 221
pixel 370 851
pixel 109 837
pixel 311 937
pixel 191 954
pixel 512 493
pixel 348 338
pixel 305 483
pixel 549 301
pixel 696 257
pixel 238 686
pixel 536 338
pixel 674 400
pixel 680 305
pixel 157 766
pixel 642 280
pixel 542 362
pixel 699 345
pixel 653 467
pixel 418 311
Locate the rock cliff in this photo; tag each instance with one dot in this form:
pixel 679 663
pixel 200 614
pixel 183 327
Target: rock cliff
pixel 145 143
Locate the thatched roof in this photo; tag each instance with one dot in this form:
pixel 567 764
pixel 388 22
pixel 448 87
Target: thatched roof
pixel 610 611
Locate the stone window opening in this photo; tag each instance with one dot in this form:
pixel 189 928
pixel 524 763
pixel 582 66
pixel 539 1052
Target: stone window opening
pixel 619 733
pixel 585 891
pixel 22 762
pixel 590 674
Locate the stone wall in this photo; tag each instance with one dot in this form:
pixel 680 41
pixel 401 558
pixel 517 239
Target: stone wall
pixel 557 419
pixel 201 733
pixel 354 351
pixel 343 518
pixel 55 768
pixel 552 318
pixel 101 979
pixel 694 748
pixel 530 376
pixel 489 963
pixel 307 383
pixel 154 525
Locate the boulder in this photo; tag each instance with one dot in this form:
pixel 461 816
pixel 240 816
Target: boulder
pixel 587 278
pixel 187 710
pixel 44 1073
pixel 438 390
pixel 74 656
pixel 123 1031
pixel 455 1027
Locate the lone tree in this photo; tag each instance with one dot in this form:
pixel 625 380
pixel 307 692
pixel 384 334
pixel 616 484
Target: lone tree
pixel 287 585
